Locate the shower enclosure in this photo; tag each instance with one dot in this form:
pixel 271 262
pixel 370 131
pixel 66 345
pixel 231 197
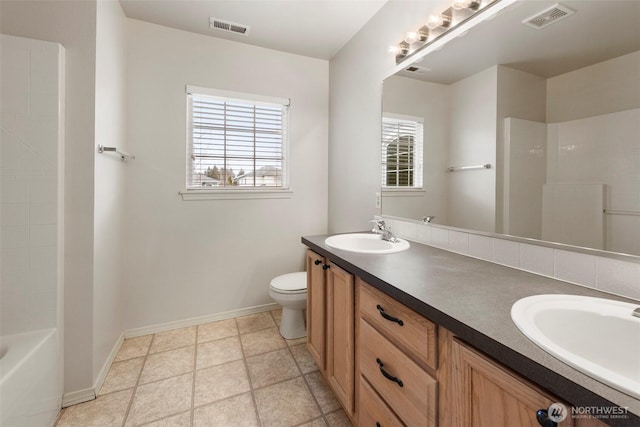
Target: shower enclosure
pixel 31 237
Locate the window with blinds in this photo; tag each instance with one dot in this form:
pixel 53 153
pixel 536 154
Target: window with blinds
pixel 237 141
pixel 401 151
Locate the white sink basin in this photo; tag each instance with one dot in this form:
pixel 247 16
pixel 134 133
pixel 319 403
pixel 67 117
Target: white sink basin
pixel 599 337
pixel 365 243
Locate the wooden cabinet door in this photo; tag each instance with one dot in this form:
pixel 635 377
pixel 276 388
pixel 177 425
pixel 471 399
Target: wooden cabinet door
pixel 340 335
pixel 485 394
pixel 316 308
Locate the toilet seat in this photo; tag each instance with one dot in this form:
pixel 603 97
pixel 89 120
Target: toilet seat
pixel 291 283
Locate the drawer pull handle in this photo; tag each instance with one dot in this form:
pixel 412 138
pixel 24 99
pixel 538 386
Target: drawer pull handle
pixel 317 262
pixel 389 318
pixel 377 424
pixel 387 375
pixel 326 266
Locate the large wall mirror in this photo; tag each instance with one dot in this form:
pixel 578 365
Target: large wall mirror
pixel 528 132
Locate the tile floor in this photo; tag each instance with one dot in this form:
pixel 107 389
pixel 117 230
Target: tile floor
pixel 235 372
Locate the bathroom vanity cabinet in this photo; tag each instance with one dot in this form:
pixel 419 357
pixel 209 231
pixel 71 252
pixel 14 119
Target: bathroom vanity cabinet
pixel 390 366
pixel 331 326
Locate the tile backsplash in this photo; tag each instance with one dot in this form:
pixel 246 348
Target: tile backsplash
pixel 599 272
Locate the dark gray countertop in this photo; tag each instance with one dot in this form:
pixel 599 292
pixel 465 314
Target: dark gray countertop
pixel 473 298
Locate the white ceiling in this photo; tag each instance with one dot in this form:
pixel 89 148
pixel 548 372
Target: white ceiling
pixel 315 28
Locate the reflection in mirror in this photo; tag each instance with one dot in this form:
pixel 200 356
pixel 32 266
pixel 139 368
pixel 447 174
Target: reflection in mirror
pixel 554 111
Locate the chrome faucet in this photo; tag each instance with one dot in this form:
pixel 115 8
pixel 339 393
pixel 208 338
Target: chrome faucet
pixel 380 227
pixel 378 224
pixel 427 219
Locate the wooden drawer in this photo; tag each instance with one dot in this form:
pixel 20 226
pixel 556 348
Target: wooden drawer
pixel 412 396
pixel 412 333
pixel 373 411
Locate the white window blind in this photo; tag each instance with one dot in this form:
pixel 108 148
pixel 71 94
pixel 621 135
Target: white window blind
pixel 235 143
pixel 401 151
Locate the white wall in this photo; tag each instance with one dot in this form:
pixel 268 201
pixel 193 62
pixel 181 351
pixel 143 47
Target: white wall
pixel 185 259
pixel 73 25
pixel 356 74
pixel 602 88
pixel 472 193
pixel 403 95
pixel 109 196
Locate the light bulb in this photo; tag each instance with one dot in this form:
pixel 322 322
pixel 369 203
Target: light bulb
pixel 411 37
pixel 394 49
pixel 436 21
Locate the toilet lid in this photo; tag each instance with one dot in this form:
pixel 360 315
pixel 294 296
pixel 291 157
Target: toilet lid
pixel 290 282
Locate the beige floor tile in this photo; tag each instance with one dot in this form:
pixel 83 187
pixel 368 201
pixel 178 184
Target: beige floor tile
pixel 255 322
pixel 134 347
pixel 338 419
pixel 318 422
pixel 262 341
pixel 304 358
pixel 270 368
pixel 217 352
pixel 277 315
pixel 160 399
pixel 105 411
pixel 296 341
pixel 122 375
pixel 216 330
pixel 237 411
pixel 321 391
pixel 176 338
pixel 168 364
pixel 180 420
pixel 286 403
pixel 220 382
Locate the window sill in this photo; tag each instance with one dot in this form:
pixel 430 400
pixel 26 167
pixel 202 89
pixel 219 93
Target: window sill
pixel 193 195
pixel 403 192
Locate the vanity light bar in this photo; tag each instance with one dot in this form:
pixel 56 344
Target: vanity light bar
pixel 437 25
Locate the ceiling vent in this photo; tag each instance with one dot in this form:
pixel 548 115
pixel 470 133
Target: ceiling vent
pixel 228 26
pixel 548 16
pixel 417 70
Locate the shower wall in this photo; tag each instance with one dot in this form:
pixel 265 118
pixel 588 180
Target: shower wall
pixel 604 150
pixel 31 141
pixel 30 194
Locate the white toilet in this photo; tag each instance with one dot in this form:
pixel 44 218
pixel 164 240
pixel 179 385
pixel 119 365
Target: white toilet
pixel 290 291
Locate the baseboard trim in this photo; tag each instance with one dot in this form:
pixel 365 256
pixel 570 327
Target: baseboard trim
pixel 162 327
pixel 85 395
pixel 97 385
pixel 79 396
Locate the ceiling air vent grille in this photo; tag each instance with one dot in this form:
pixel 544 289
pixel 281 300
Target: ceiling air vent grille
pixel 548 16
pixel 230 27
pixel 417 70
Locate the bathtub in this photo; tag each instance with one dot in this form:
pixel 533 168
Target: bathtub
pixel 30 383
